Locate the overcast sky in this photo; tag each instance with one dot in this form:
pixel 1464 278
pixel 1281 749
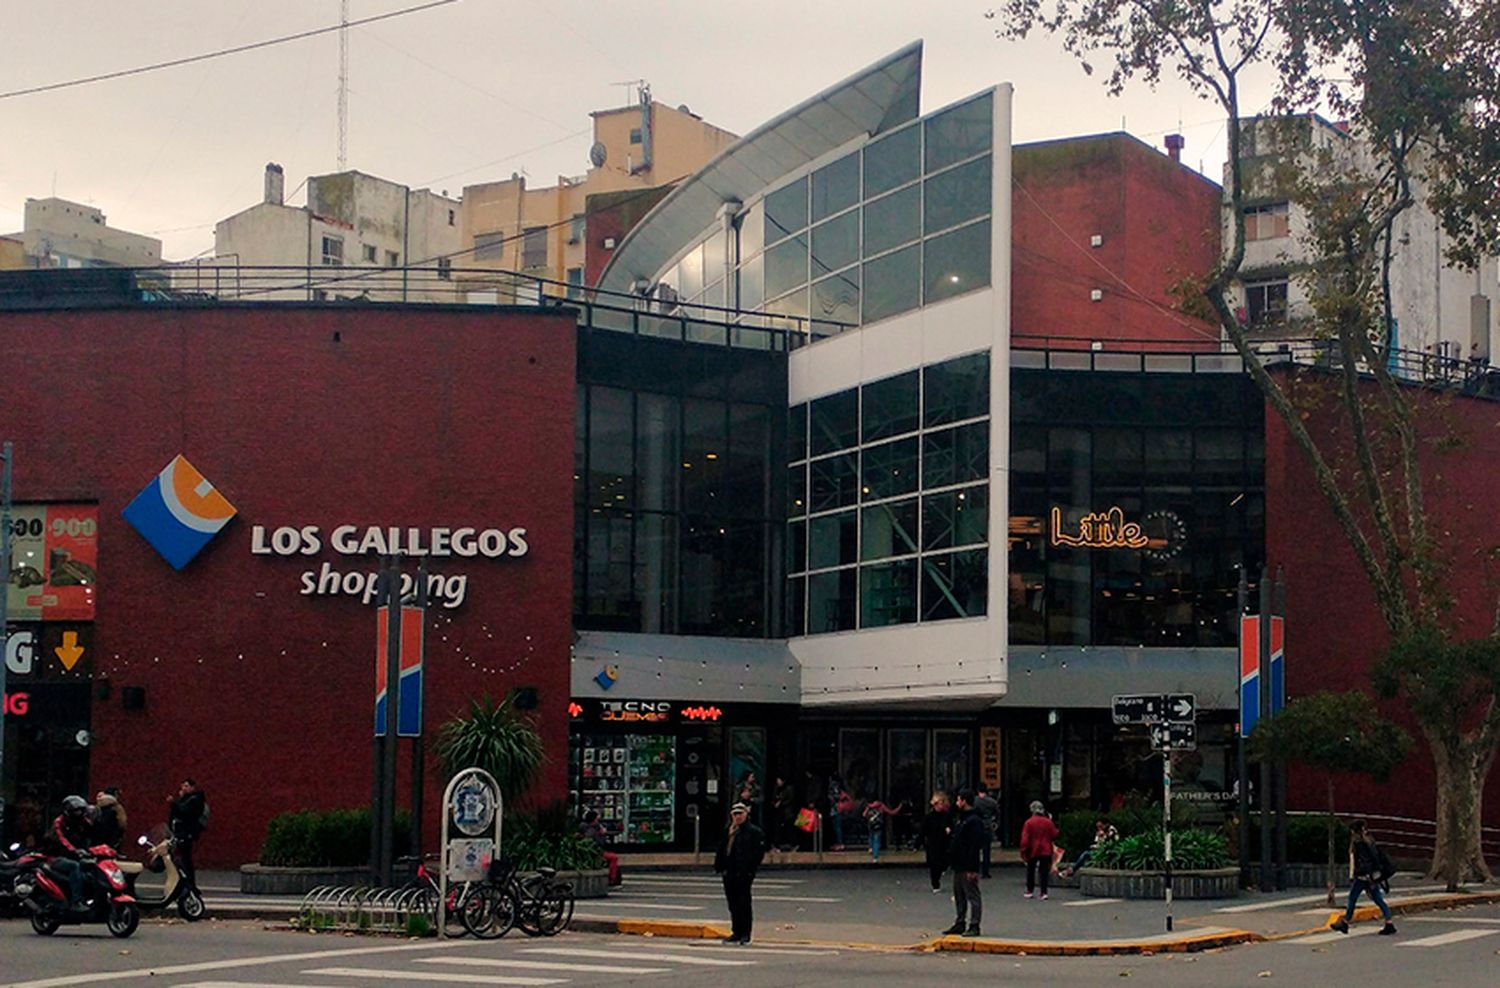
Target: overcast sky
pixel 471 91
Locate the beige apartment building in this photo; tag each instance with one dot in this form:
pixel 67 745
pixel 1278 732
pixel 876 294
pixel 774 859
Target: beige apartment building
pixel 58 233
pixel 394 242
pixel 507 226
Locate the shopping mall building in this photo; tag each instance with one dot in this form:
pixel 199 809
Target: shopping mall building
pixel 848 489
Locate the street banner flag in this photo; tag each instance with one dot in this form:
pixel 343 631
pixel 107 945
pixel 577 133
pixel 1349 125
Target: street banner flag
pixel 409 699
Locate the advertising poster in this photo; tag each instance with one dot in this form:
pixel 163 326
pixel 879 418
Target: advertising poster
pixel 54 562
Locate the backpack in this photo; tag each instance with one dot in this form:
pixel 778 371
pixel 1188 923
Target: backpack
pixel 203 817
pixel 1387 867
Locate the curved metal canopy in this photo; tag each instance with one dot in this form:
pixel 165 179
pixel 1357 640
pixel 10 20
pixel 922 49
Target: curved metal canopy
pixel 870 101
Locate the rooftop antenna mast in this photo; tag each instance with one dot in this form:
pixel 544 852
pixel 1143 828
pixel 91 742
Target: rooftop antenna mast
pixel 343 84
pixel 629 84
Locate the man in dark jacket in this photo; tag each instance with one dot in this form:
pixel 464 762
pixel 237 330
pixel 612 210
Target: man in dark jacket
pixel 738 858
pixel 110 819
pixel 69 838
pixel 964 855
pixel 185 819
pixel 989 814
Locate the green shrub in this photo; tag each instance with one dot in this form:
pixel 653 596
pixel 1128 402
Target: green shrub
pixel 1306 839
pixel 325 838
pixel 1076 831
pixel 1191 849
pixel 549 838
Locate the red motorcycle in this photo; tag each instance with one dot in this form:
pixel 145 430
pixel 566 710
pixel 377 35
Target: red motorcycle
pixel 106 898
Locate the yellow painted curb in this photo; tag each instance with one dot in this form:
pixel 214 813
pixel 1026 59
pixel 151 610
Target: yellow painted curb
pixel 670 928
pixel 1085 948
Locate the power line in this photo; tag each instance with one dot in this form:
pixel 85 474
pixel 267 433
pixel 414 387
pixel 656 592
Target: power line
pixel 173 63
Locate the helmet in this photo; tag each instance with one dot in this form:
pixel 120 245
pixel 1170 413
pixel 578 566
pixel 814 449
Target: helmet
pixel 75 806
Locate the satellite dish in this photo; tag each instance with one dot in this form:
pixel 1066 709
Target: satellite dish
pixel 598 154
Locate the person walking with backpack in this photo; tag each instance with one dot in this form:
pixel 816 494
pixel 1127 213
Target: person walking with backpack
pixel 1037 836
pixel 876 816
pixel 1369 869
pixel 963 855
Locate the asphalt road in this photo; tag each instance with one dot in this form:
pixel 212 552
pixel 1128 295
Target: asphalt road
pixel 1457 948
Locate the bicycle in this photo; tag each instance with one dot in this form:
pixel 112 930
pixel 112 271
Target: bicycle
pixel 537 903
pixel 425 885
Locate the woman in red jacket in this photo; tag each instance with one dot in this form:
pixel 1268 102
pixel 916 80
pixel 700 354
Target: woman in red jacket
pixel 1036 847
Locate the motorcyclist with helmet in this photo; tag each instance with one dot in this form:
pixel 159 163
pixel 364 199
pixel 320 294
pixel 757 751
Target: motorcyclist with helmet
pixel 68 840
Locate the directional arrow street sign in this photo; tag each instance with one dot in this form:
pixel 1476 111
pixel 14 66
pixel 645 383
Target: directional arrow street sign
pixel 1174 737
pixel 1155 708
pixel 1180 707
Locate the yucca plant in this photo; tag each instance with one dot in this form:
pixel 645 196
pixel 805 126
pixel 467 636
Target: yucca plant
pixel 497 738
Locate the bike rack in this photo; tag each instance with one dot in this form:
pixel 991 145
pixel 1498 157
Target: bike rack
pixel 360 907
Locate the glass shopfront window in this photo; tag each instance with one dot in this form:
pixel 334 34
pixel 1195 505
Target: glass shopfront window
pixel 922 494
pixel 1130 522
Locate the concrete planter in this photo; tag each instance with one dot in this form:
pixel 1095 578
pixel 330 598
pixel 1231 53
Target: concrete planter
pixel 1307 876
pixel 1216 883
pixel 258 879
pixel 592 884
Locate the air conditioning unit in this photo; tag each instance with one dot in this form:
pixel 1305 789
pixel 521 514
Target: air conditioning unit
pixel 609 243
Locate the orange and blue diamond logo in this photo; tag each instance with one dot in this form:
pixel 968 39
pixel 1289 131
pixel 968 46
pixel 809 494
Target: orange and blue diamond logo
pixel 607 676
pixel 179 512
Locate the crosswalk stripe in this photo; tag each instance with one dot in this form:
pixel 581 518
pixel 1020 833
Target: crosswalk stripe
pixel 1332 935
pixel 254 984
pixel 703 879
pixel 629 955
pixel 666 906
pixel 466 979
pixel 1443 939
pixel 541 965
pixel 1299 899
pixel 1091 902
pixel 1452 919
pixel 759 896
pixel 790 949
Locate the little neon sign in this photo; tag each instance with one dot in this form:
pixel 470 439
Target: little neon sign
pixel 1100 530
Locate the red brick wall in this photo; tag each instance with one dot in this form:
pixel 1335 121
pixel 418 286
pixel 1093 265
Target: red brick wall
pixel 1334 631
pixel 1159 222
pixel 300 416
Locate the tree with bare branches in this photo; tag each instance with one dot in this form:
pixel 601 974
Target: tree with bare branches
pixel 1415 84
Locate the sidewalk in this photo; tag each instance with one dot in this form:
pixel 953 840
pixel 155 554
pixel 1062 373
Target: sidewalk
pixel 854 903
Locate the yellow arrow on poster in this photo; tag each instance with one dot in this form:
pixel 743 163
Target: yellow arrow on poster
pixel 69 652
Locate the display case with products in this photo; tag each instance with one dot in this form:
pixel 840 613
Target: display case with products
pixel 652 786
pixel 598 778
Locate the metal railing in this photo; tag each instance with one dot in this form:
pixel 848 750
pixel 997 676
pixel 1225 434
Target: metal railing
pixel 1409 834
pixel 218 281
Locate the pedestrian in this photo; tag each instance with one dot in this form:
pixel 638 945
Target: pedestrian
pixel 739 855
pixel 1369 869
pixel 963 856
pixel 784 814
pixel 1104 832
pixel 989 813
pixel 748 792
pixel 843 808
pixel 876 814
pixel 1037 836
pixel 937 830
pixel 110 820
pixel 592 828
pixel 187 817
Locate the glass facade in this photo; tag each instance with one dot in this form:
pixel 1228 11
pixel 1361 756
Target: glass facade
pixel 677 510
pixel 888 496
pixel 899 223
pixel 1135 499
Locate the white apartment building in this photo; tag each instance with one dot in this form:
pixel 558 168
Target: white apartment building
pixel 1439 309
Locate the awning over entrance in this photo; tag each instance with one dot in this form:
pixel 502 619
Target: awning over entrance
pixel 1072 676
pixel 610 664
